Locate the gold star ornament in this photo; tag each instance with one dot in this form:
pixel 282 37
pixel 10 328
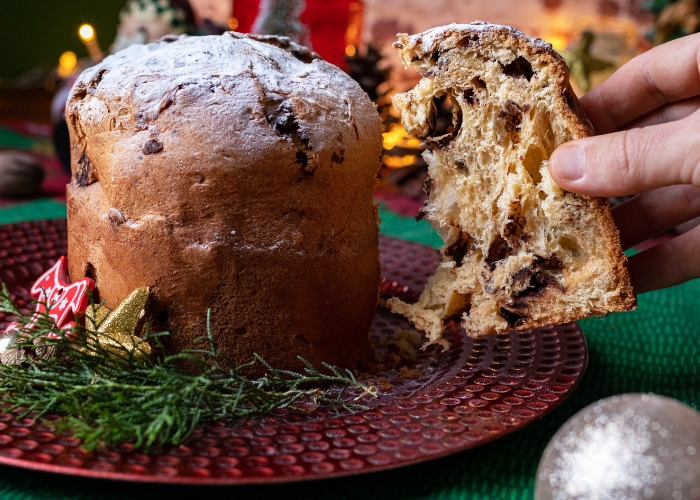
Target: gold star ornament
pixel 115 331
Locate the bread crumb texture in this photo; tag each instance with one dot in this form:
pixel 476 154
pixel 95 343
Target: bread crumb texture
pixel 519 252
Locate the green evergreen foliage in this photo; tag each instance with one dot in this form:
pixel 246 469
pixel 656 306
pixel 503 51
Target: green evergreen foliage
pixel 112 395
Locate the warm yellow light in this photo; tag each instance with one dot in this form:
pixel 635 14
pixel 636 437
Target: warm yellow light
pixel 408 160
pixel 350 50
pixel 558 42
pixel 351 32
pixel 232 23
pixel 399 161
pixel 397 136
pixel 67 63
pixel 68 60
pixel 86 32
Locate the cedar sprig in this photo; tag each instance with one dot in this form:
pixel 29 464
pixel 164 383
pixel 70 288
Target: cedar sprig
pixel 107 397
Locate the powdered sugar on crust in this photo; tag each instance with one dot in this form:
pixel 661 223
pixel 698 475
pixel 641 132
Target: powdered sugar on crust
pixel 148 79
pixel 449 36
pixel 229 54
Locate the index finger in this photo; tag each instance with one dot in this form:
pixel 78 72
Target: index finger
pixel 665 74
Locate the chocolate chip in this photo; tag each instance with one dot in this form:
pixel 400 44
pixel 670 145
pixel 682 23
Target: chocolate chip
pixel 469 41
pixel 469 97
pixel 459 248
pixel 85 175
pixel 97 78
pixel 512 318
pixel 152 146
pixel 519 68
pixel 499 250
pixel 283 120
pixel 339 157
pixel 141 122
pixel 514 231
pixel 552 263
pixel 445 141
pixel 116 217
pixel 427 186
pixel 512 115
pixel 432 116
pixel 538 283
pixel 523 273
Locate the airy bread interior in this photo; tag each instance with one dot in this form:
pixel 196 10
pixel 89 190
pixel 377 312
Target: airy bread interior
pixel 519 251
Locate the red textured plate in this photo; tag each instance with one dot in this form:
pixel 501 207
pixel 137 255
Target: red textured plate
pixel 451 401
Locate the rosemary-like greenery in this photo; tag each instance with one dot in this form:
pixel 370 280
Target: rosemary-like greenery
pixel 107 395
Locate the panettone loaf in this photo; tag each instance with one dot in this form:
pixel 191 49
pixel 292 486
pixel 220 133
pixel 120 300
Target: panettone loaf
pixel 519 251
pixel 234 173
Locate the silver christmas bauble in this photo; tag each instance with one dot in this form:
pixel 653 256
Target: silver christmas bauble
pixel 20 174
pixel 632 446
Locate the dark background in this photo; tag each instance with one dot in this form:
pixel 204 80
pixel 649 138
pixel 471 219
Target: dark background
pixel 36 32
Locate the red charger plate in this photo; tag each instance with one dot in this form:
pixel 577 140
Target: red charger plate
pixel 475 392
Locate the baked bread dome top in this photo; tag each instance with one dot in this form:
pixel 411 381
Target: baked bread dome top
pixel 234 173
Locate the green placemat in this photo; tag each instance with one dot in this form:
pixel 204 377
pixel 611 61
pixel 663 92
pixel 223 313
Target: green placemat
pixel 655 348
pixel 35 210
pixel 12 139
pixel 407 228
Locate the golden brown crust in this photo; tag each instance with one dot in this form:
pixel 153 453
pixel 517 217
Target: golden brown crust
pixel 223 173
pixel 519 252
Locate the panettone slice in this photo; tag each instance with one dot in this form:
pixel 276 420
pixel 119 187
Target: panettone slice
pixel 519 251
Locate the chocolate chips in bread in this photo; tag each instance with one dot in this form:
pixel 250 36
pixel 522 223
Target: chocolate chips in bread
pixel 235 174
pixel 519 251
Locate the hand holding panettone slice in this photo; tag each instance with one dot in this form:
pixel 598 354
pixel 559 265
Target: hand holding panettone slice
pixel 519 251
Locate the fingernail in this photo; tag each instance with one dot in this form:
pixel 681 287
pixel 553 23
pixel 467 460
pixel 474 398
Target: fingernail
pixel 569 162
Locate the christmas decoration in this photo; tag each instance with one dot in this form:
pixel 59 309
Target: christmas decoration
pixel 10 354
pixel 629 446
pixel 369 69
pixel 57 298
pixel 145 21
pixel 403 168
pixel 115 330
pixel 89 39
pixel 677 19
pixel 582 64
pixel 281 18
pixel 21 174
pixel 216 16
pixel 108 394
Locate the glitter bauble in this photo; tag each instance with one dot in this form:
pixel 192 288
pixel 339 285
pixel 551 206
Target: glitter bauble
pixel 9 353
pixel 632 446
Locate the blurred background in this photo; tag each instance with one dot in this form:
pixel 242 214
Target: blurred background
pixel 46 44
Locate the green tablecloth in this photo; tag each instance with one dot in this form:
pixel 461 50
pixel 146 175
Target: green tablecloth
pixel 655 348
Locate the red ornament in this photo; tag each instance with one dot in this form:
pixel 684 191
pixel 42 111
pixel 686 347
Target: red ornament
pixel 58 297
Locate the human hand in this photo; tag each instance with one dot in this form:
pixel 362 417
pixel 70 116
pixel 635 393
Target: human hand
pixel 648 120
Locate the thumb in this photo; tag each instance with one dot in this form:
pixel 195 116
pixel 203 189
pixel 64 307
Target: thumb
pixel 630 161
